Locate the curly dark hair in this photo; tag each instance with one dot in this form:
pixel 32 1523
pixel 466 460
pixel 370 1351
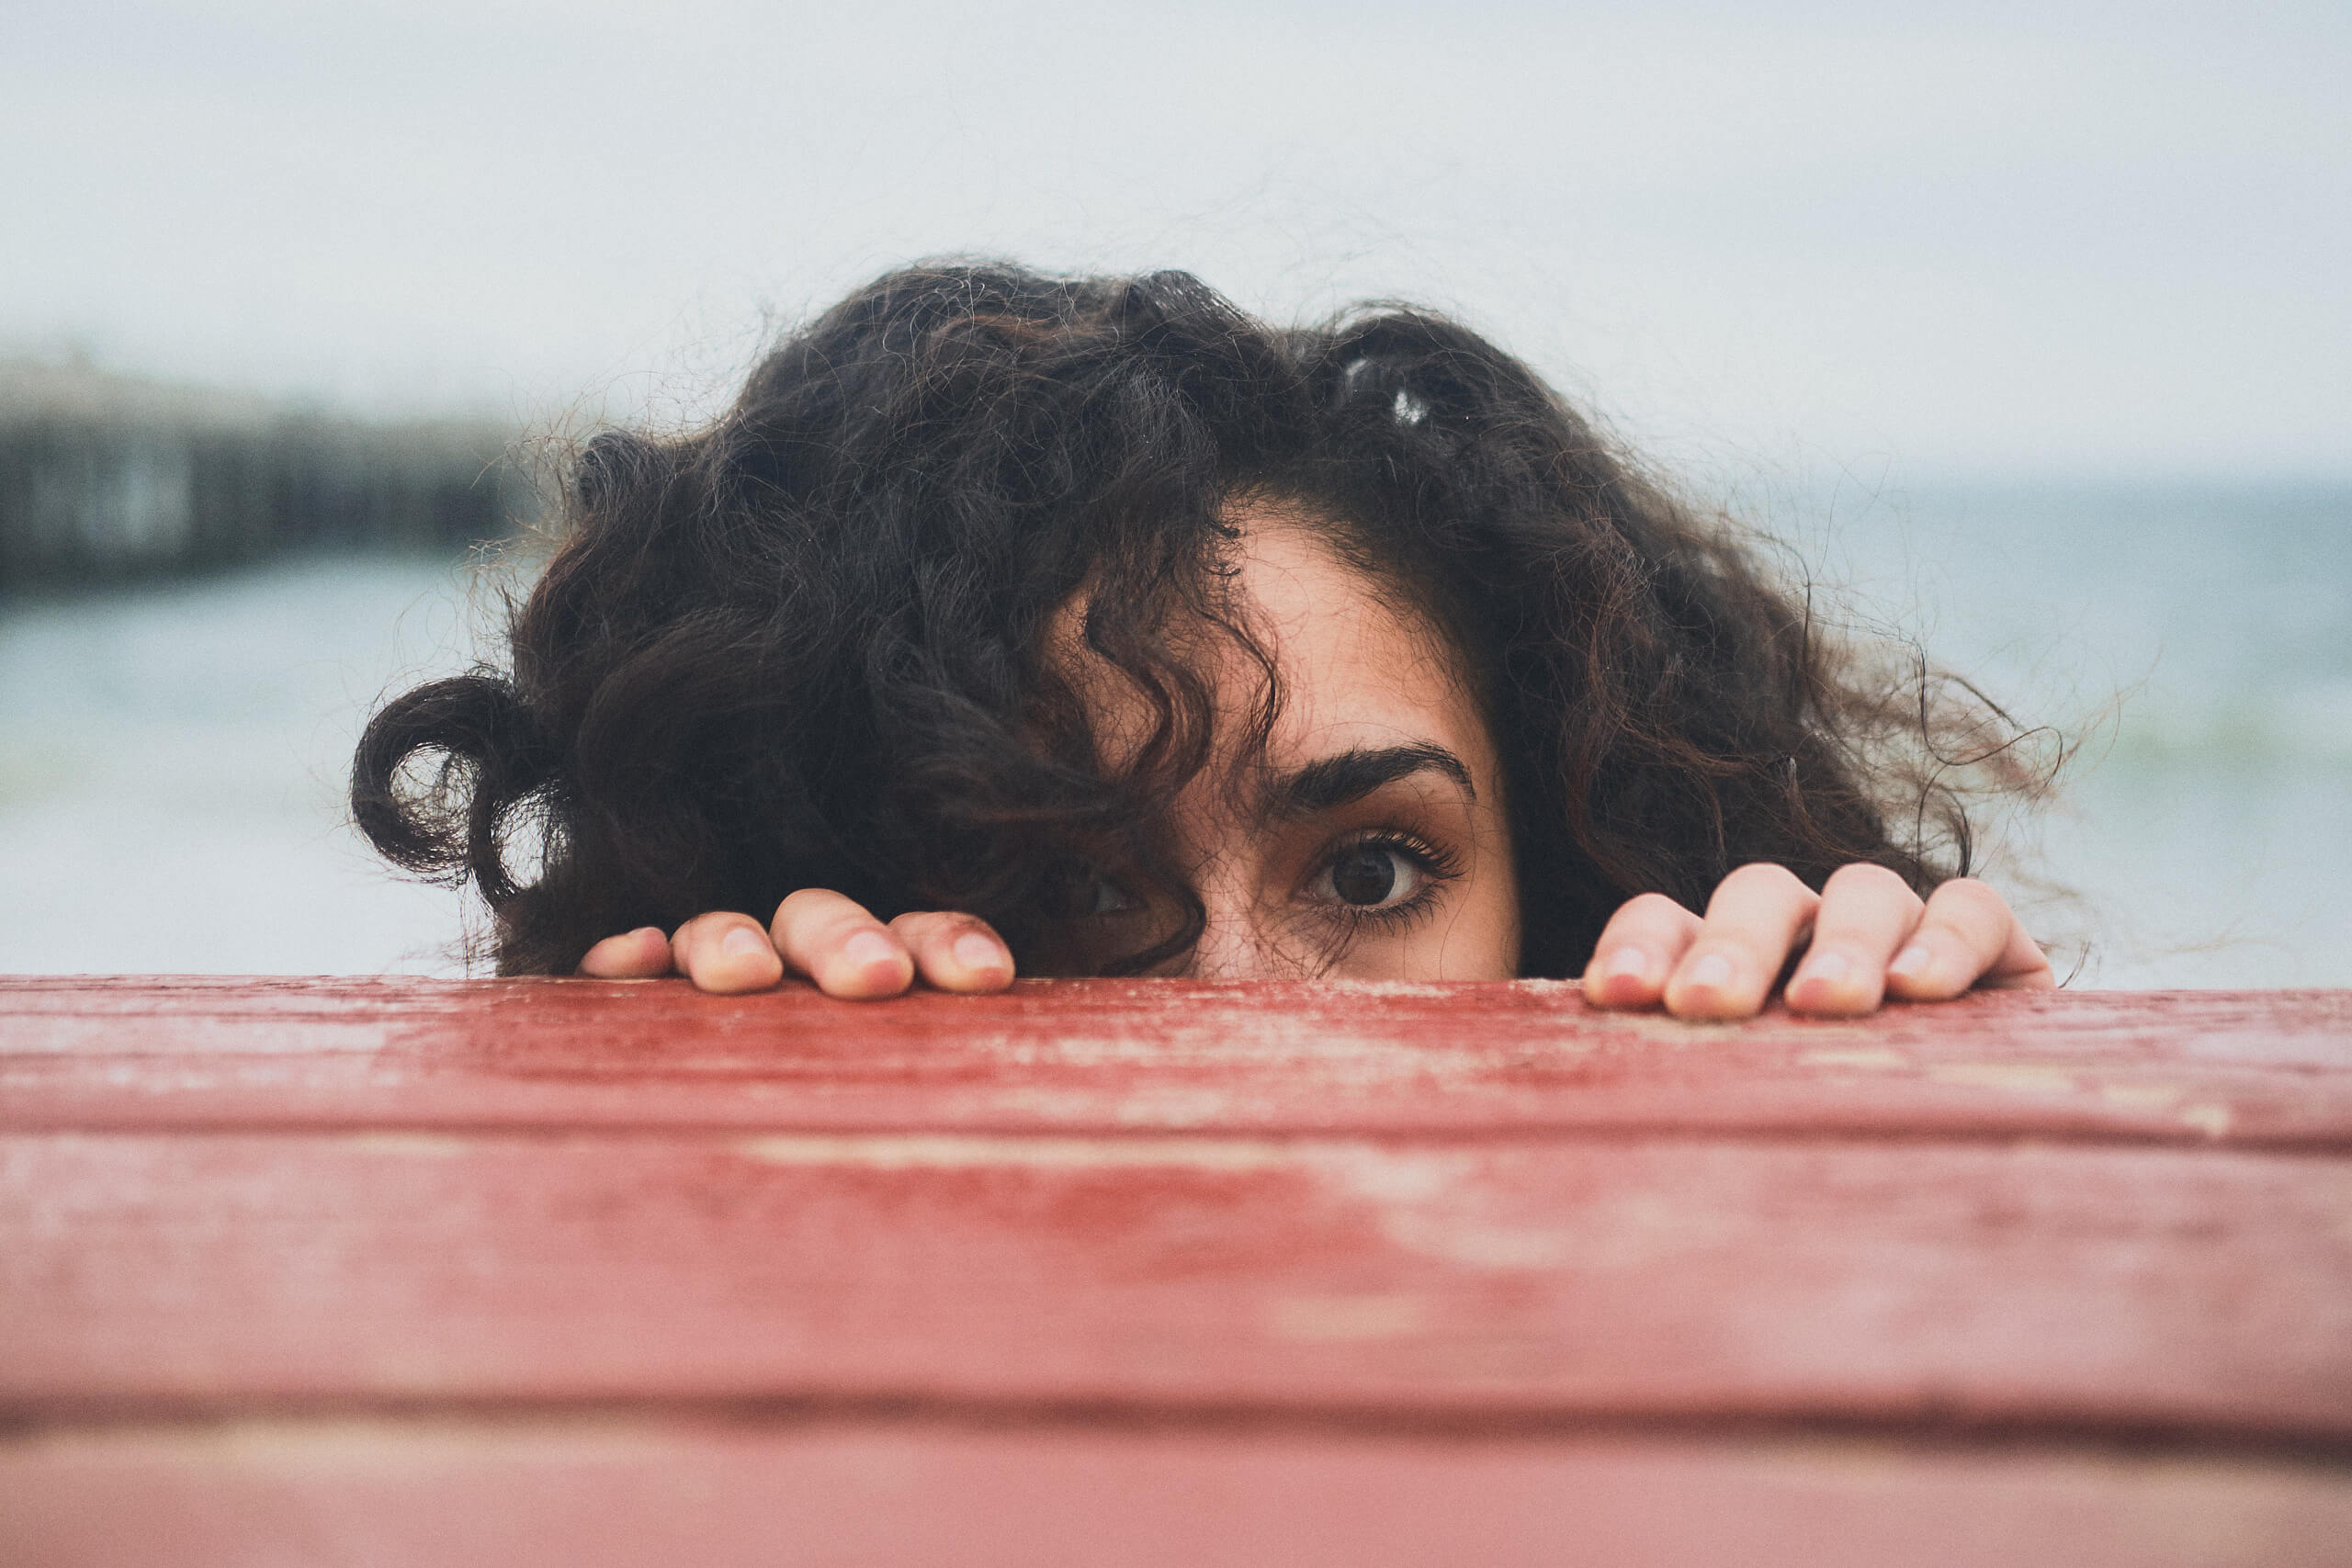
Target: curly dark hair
pixel 803 646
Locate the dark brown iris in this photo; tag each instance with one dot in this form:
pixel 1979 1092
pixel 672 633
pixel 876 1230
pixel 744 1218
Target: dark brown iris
pixel 1364 876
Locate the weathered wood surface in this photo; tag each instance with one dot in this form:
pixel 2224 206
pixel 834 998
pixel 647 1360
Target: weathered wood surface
pixel 606 1491
pixel 1882 1282
pixel 2256 1068
pixel 410 1271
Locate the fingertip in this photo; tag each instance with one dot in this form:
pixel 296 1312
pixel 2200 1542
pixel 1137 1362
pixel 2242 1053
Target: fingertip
pixel 1707 988
pixel 1921 974
pixel 875 950
pixel 2045 978
pixel 640 955
pixel 984 961
pixel 1624 976
pixel 741 960
pixel 746 943
pixel 1616 992
pixel 1819 1000
pixel 869 964
pixel 1708 1006
pixel 1831 984
pixel 1830 1001
pixel 954 951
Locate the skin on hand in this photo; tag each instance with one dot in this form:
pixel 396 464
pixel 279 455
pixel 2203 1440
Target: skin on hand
pixel 818 936
pixel 1869 938
pixel 1866 937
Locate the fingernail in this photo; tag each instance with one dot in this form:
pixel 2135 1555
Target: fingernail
pixel 867 949
pixel 1710 969
pixel 1626 961
pixel 1912 962
pixel 974 950
pixel 1830 967
pixel 744 943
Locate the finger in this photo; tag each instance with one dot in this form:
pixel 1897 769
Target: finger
pixel 725 952
pixel 1867 912
pixel 834 941
pixel 1969 936
pixel 956 953
pixel 1755 918
pixel 1637 950
pixel 640 955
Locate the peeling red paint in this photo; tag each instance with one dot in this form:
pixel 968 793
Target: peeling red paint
pixel 2254 1068
pixel 1356 1265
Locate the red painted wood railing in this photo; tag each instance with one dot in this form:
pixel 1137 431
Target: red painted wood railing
pixel 1154 1273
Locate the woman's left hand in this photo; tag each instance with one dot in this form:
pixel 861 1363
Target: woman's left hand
pixel 1866 936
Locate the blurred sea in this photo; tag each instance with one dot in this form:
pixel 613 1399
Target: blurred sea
pixel 172 756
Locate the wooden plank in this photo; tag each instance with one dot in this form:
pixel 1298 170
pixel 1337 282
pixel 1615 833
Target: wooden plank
pixel 594 1493
pixel 2080 1287
pixel 2254 1069
pixel 1149 1272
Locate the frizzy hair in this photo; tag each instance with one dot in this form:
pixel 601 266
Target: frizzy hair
pixel 805 645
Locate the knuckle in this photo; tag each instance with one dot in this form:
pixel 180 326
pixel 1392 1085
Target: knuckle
pixel 1754 952
pixel 1964 898
pixel 1959 945
pixel 939 925
pixel 701 931
pixel 1653 909
pixel 961 925
pixel 840 933
pixel 818 915
pixel 725 926
pixel 1770 878
pixel 1866 876
pixel 809 903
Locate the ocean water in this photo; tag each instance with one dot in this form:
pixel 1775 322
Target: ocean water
pixel 172 756
pixel 2196 646
pixel 172 763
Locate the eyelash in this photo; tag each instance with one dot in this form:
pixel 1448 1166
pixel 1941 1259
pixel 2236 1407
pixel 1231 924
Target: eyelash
pixel 1437 864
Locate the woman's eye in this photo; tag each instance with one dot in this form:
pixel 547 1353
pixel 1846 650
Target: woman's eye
pixel 1079 892
pixel 1374 876
pixel 1103 897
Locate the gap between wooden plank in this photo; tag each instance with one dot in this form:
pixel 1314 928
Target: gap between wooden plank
pixel 1957 1435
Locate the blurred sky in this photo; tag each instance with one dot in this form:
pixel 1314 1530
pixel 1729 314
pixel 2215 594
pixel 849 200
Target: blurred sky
pixel 2028 239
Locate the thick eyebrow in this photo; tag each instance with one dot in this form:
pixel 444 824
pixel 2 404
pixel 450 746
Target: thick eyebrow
pixel 1329 783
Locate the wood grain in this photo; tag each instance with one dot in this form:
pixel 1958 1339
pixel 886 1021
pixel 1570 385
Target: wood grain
pixel 622 1493
pixel 399 1271
pixel 2047 1286
pixel 2269 1069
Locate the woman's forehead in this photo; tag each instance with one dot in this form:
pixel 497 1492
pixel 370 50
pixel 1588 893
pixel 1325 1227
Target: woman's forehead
pixel 1359 664
pixel 1359 667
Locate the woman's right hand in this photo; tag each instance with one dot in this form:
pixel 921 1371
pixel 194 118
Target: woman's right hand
pixel 816 936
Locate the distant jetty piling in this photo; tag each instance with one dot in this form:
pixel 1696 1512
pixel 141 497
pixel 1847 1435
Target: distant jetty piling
pixel 105 478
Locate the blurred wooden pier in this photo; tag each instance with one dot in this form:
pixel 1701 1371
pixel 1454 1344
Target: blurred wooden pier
pixel 104 478
pixel 406 1271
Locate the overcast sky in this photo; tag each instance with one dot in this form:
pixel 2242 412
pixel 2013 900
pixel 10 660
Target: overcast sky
pixel 1898 239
